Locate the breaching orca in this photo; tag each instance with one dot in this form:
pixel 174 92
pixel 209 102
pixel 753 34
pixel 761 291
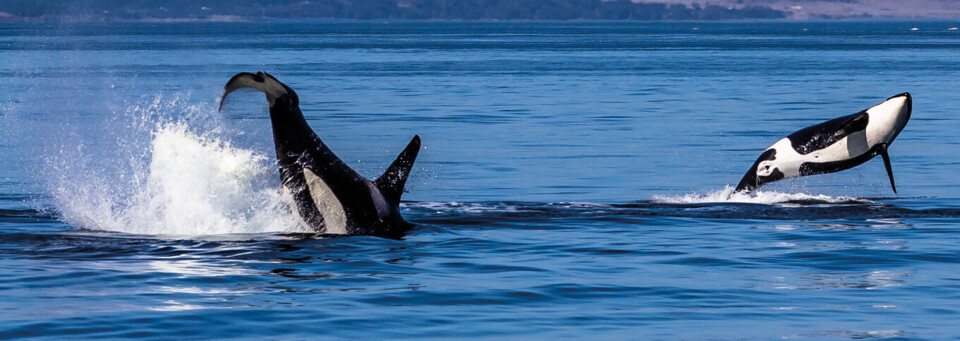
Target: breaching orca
pixel 833 146
pixel 329 195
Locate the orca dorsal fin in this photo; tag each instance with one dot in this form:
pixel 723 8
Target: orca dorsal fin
pixel 392 181
pixel 882 149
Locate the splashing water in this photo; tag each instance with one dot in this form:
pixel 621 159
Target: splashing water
pixel 729 195
pixel 181 182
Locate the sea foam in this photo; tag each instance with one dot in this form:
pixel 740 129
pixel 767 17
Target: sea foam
pixel 729 195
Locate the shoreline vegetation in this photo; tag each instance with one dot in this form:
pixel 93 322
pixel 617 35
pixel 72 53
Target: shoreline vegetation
pixel 175 11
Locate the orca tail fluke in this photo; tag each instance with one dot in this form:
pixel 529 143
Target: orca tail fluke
pixel 392 181
pixel 260 81
pixel 882 149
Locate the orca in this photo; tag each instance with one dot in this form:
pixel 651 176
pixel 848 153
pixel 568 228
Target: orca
pixel 330 197
pixel 832 146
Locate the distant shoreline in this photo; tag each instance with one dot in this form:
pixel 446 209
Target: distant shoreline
pixel 67 20
pixel 272 19
pixel 212 11
pixel 225 11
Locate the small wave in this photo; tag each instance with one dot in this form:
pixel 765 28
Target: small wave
pixel 729 195
pixel 506 207
pixel 839 211
pixel 455 207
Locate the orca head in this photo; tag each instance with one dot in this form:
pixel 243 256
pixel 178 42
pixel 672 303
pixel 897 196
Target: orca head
pixel 887 119
pixel 765 170
pixel 280 97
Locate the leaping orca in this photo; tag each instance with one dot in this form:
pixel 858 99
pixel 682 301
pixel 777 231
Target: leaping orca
pixel 834 145
pixel 330 197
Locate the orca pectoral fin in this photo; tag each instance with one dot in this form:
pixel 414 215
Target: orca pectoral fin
pixel 882 149
pixel 392 181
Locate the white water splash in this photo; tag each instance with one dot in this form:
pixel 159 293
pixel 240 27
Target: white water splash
pixel 729 195
pixel 180 183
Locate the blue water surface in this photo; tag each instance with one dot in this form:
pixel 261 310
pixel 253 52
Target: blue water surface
pixel 574 182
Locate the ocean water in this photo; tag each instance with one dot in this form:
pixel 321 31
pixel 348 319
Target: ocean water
pixel 575 182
